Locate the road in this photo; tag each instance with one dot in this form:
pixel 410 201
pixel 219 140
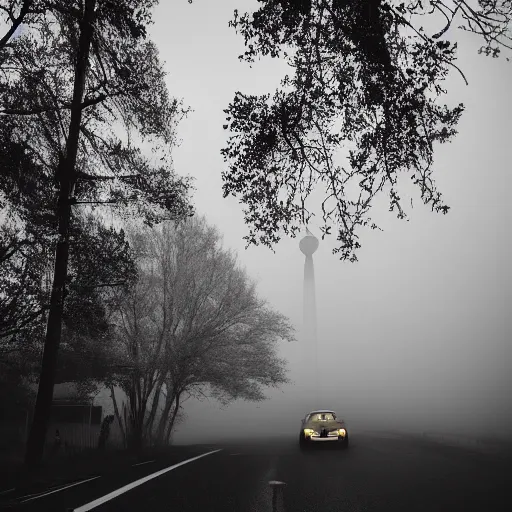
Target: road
pixel 377 473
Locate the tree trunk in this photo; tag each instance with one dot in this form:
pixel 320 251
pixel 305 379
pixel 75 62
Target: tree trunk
pixel 173 419
pixel 66 179
pixel 136 411
pixel 118 416
pixel 154 408
pixel 163 419
pixel 127 426
pixel 139 425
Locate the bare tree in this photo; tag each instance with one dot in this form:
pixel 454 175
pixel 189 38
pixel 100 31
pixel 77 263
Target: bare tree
pixel 193 325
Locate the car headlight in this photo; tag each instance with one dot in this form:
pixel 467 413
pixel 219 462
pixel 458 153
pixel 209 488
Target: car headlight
pixel 342 432
pixel 310 432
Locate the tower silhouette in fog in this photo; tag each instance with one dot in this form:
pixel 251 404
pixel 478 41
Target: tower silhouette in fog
pixel 308 245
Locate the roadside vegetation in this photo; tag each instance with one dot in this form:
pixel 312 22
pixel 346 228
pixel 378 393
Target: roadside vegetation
pixel 149 302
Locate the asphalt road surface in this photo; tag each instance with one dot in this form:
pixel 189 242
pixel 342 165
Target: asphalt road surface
pixel 377 473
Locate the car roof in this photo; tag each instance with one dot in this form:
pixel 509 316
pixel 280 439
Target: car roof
pixel 320 411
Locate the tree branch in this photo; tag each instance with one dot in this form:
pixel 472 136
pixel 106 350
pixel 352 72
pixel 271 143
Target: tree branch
pixel 25 9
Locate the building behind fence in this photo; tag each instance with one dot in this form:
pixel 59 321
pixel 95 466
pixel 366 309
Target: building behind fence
pixel 78 423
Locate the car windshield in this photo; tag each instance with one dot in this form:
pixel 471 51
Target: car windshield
pixel 321 416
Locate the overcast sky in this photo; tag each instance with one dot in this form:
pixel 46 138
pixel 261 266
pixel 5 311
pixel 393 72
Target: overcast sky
pixel 416 330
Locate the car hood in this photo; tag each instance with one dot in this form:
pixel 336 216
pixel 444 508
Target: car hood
pixel 329 425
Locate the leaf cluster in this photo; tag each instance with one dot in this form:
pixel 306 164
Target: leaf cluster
pixel 126 135
pixel 126 107
pixel 366 79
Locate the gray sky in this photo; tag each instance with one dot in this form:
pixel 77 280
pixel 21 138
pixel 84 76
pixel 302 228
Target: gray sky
pixel 415 332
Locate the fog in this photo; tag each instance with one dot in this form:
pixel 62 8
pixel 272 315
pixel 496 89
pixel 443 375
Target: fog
pixel 415 335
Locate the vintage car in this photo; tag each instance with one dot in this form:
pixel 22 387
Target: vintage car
pixel 323 426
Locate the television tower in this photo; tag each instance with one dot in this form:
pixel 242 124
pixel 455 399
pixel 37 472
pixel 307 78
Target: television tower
pixel 308 245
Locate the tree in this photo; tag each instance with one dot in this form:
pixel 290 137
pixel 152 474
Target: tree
pixel 77 70
pixel 100 260
pixel 21 294
pixel 27 221
pixel 193 324
pixel 366 77
pixel 99 256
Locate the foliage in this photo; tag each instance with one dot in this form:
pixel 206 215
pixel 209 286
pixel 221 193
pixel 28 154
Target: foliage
pixel 84 94
pixel 27 220
pixel 100 259
pixel 192 325
pixel 125 88
pixel 36 81
pixel 366 78
pixel 21 294
pixel 15 394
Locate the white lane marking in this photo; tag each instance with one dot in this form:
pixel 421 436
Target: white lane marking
pixel 125 488
pixel 57 490
pixel 8 490
pixel 55 487
pixel 141 463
